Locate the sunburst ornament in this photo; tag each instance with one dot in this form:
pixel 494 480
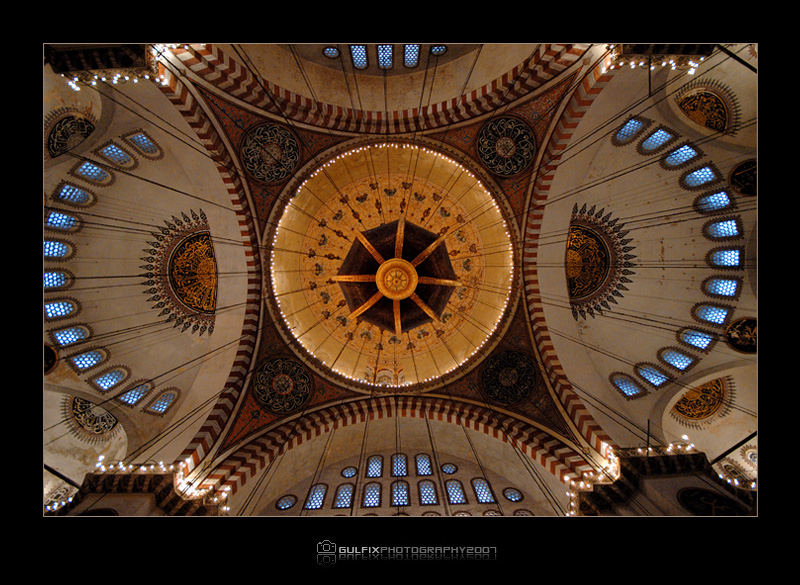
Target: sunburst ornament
pixel 597 261
pixel 181 273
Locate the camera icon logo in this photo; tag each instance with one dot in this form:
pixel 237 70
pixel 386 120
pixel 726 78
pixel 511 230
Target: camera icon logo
pixel 326 553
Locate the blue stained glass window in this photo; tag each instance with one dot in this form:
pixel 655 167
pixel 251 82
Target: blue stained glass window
pixel 449 468
pixel 349 471
pixel 55 279
pixel 427 493
pixel 286 502
pixel 134 395
pixel 629 130
pixel 713 202
pixel 316 495
pixel 87 359
pixel 727 228
pixel 141 141
pixel 70 335
pixel 482 491
pixel 109 379
pixel 162 403
pixel 455 492
pixel 60 221
pixel 359 55
pixel 677 359
pixel 375 466
pixel 656 140
pixel 725 257
pixel 712 314
pixel 55 249
pixel 399 466
pixel 344 496
pixel 725 287
pixel 680 155
pixel 372 495
pixel 626 385
pixel 512 495
pixel 92 172
pixel 423 465
pixel 115 154
pixel 72 194
pixel 698 339
pixel 652 375
pixel 410 55
pixel 385 56
pixel 330 52
pixel 700 177
pixel 55 309
pixel 438 49
pixel 400 494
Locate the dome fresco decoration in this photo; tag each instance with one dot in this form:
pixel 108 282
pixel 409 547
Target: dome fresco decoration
pixel 90 422
pixel 383 277
pixel 65 129
pixel 282 385
pixel 709 104
pixel 506 146
pixel 701 404
pixel 508 377
pixel 181 273
pixel 269 152
pixel 597 261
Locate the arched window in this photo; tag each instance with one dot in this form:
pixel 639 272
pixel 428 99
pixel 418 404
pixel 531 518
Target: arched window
pixel 716 286
pixel 375 466
pixel 723 229
pixel 676 359
pixel 400 493
pixel 57 249
pixel 316 496
pixel 108 380
pixel 714 314
pixel 330 52
pixel 59 309
pixel 135 394
pixel 73 195
pixel 713 202
pixel 87 359
pixel 455 492
pixel 680 156
pixel 725 257
pixel 449 468
pixel 349 471
pixel 629 131
pixel 144 144
pixel 483 492
pixel 162 403
pixel 655 376
pixel 696 338
pixel 627 385
pixel 385 56
pixel 56 279
pixel 656 140
pixel 438 50
pixel 399 465
pixel 423 463
pixel 286 502
pixel 70 335
pixel 62 222
pixel 410 55
pixel 372 495
pixel 358 53
pixel 89 171
pixel 512 494
pixel 116 155
pixel 344 496
pixel 699 177
pixel 427 493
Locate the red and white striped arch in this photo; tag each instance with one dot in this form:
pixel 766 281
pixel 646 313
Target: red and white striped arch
pixel 579 103
pixel 559 459
pixel 227 74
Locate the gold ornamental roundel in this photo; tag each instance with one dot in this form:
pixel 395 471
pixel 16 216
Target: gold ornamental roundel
pixel 193 273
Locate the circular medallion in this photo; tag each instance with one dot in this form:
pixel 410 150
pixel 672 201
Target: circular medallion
pixel 506 146
pixel 509 377
pixel 67 133
pixel 282 385
pixel 742 335
pixel 396 279
pixel 701 402
pixel 269 153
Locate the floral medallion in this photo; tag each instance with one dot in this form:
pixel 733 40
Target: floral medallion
pixel 282 385
pixel 269 153
pixel 508 377
pixel 506 146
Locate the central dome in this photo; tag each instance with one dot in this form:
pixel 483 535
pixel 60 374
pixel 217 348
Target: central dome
pixel 391 265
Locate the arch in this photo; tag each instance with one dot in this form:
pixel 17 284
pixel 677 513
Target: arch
pixel 232 471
